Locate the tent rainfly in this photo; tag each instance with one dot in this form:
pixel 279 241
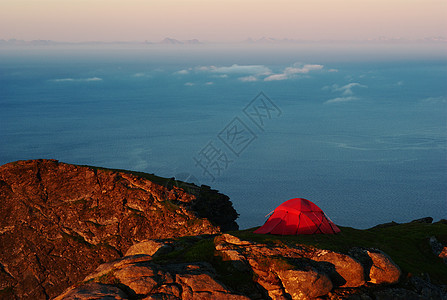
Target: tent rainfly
pixel 298 216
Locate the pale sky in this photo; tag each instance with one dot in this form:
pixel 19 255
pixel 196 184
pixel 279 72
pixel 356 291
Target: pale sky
pixel 220 20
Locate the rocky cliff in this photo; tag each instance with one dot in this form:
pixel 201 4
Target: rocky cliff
pixel 79 232
pixel 60 221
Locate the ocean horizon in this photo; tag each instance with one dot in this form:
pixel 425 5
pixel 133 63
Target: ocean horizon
pixel 360 130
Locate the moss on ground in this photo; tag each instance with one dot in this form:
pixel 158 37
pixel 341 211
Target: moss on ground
pixel 200 251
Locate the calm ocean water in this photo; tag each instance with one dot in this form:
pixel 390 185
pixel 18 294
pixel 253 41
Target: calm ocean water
pixel 362 134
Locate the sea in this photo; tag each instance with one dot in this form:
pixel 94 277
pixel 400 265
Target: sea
pixel 357 128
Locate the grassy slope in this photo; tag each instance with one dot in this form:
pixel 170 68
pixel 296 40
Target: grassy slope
pixel 407 244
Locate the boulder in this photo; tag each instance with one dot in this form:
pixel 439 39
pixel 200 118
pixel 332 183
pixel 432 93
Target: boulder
pixel 383 269
pixel 443 254
pixel 117 264
pixel 427 220
pixel 140 278
pixel 93 291
pixel 231 239
pixel 438 249
pixel 379 267
pixel 350 272
pixel 149 247
pixel 306 284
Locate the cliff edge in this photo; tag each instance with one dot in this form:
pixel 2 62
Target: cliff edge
pixel 61 221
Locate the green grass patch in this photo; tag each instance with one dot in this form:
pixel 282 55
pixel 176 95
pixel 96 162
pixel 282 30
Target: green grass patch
pixel 407 244
pixel 188 249
pixel 200 251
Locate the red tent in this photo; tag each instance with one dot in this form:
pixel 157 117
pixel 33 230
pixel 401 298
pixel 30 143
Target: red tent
pixel 298 216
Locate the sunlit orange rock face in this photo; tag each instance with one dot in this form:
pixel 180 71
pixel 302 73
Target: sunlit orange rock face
pixel 60 221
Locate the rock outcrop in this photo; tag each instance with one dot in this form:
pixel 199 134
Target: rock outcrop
pixel 264 271
pixel 138 277
pixel 438 249
pixel 78 232
pixel 60 221
pixel 378 266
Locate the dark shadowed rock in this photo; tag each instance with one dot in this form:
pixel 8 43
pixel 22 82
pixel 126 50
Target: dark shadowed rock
pixel 215 207
pixel 427 220
pixel 60 221
pixel 428 290
pixel 385 225
pixel 438 249
pixel 397 294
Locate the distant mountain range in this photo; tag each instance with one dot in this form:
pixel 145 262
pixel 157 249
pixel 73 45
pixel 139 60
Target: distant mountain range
pixel 169 41
pixel 166 41
pixel 262 40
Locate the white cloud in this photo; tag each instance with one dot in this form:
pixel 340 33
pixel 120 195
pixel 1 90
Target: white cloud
pixel 290 72
pixel 237 69
pixel 221 76
pixel 63 80
pixel 77 79
pixel 298 69
pixel 347 94
pixel 341 99
pixel 182 72
pixel 257 72
pixel 204 68
pixel 346 90
pixel 332 70
pixel 189 84
pixel 209 83
pixel 250 78
pixel 275 77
